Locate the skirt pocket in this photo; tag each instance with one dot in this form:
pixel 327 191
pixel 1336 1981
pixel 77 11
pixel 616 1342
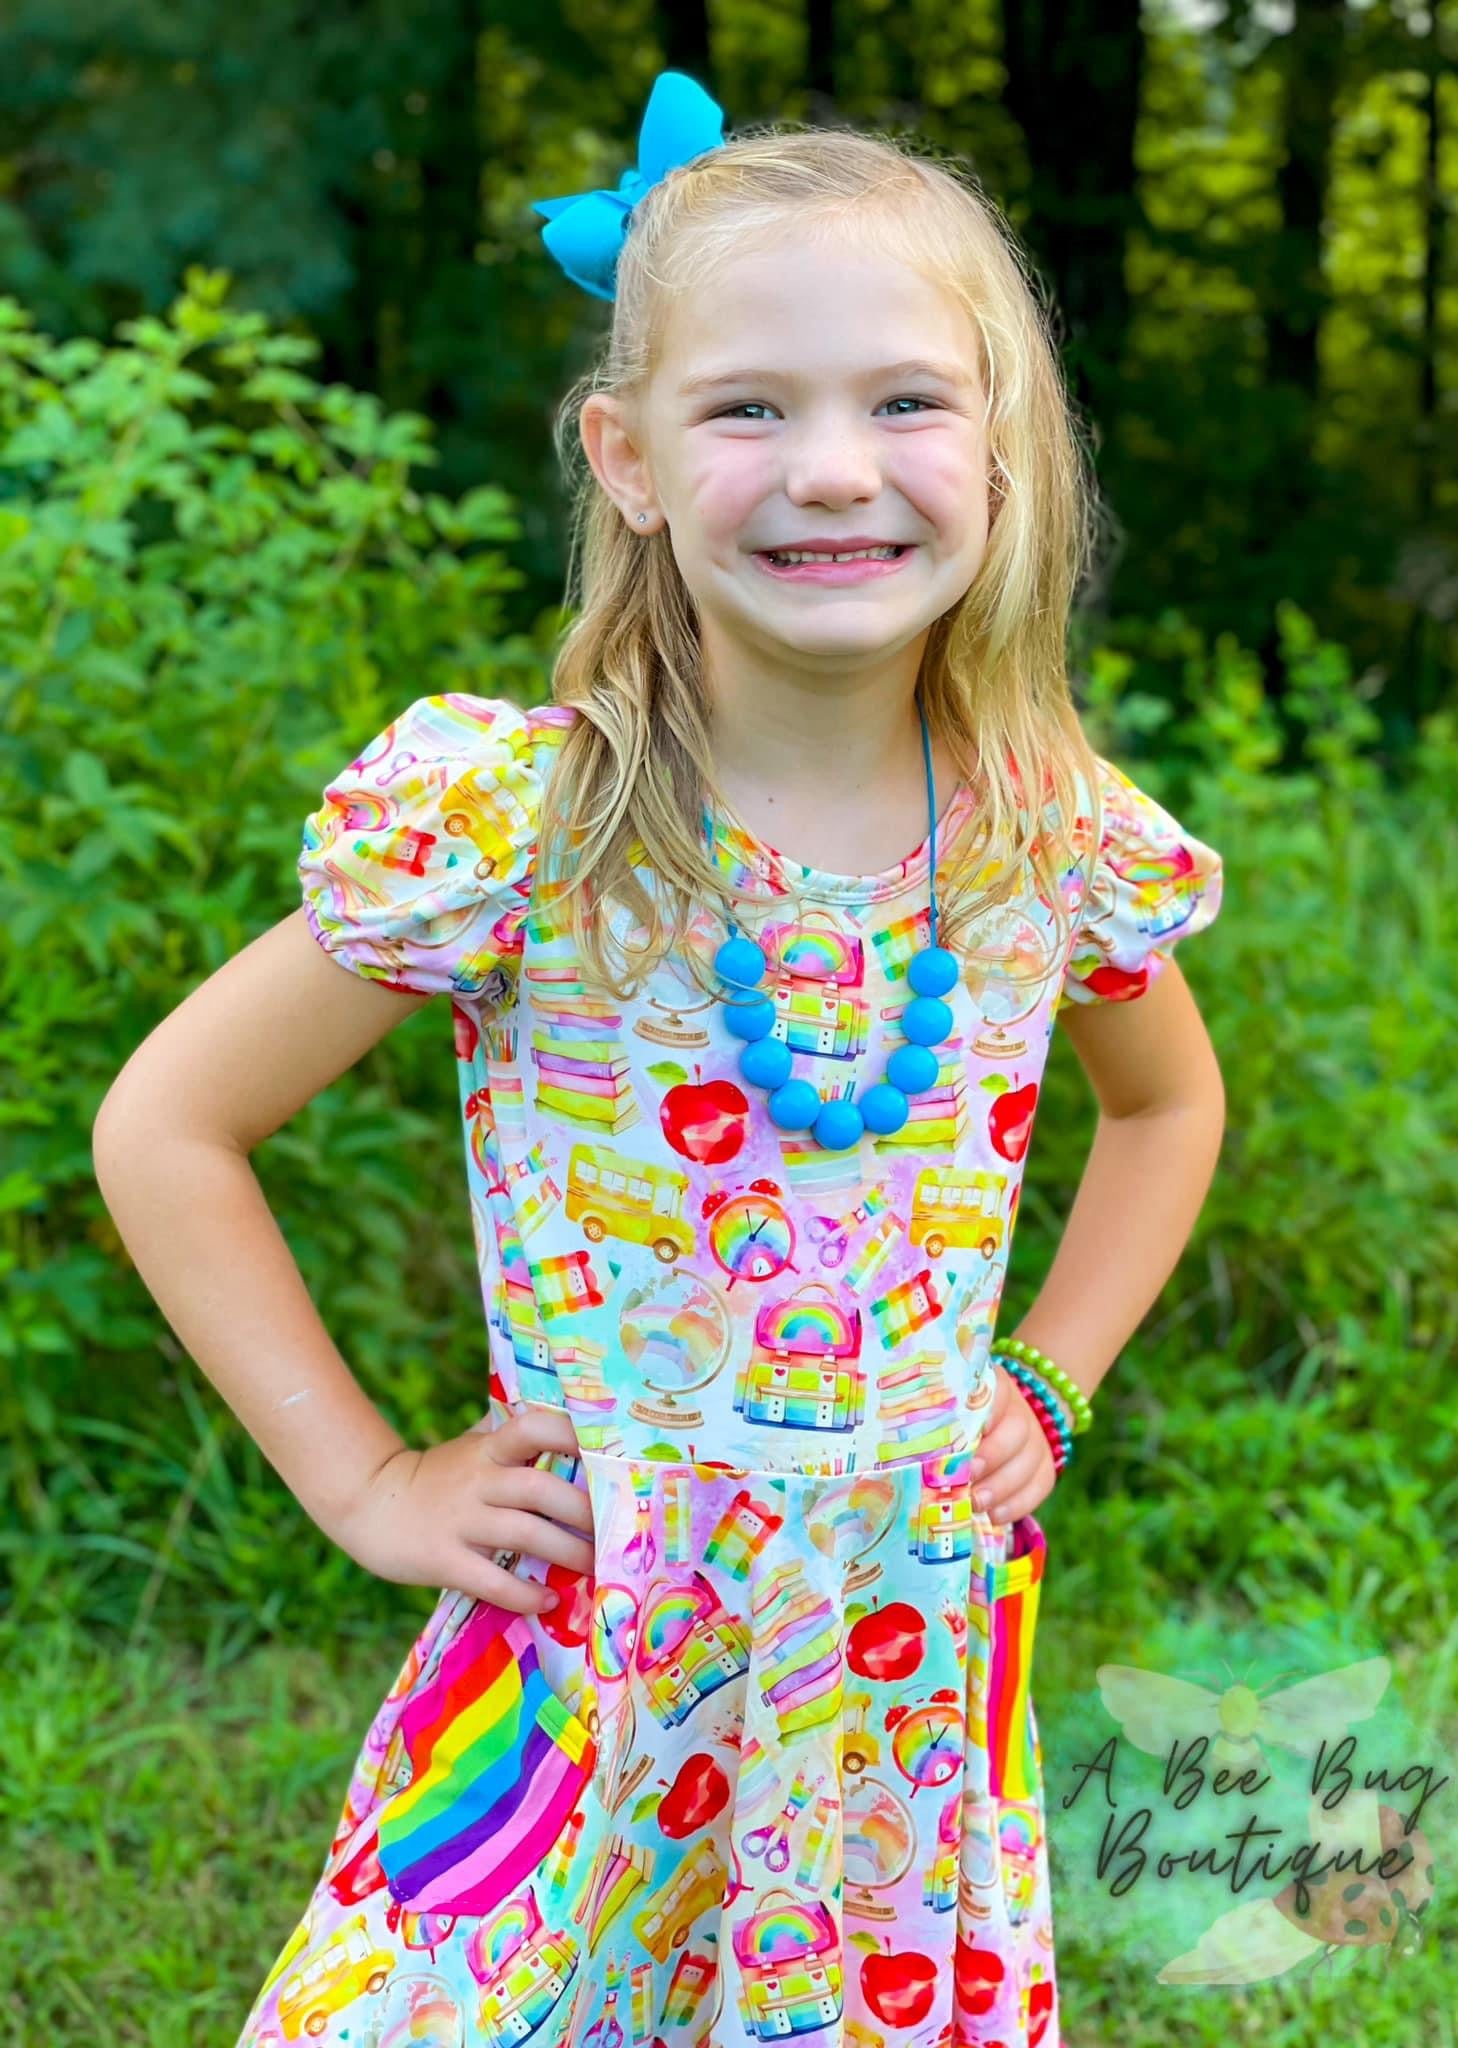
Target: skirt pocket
pixel 498 1762
pixel 1010 1587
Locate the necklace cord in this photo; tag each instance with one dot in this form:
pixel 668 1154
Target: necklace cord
pixel 931 812
pixel 931 835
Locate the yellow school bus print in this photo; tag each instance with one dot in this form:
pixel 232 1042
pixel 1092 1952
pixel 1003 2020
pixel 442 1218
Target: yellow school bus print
pixel 669 1916
pixel 611 1195
pixel 957 1207
pixel 331 1978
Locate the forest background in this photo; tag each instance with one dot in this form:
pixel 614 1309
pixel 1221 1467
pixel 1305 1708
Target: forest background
pixel 278 355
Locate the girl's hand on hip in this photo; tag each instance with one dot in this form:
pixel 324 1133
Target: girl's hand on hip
pixel 1012 1466
pixel 431 1518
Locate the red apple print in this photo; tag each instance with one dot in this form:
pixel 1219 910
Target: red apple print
pixel 1116 984
pixel 978 1973
pixel 1040 2011
pixel 1010 1121
pixel 899 1988
pixel 464 1031
pixel 698 1792
pixel 890 1642
pixel 705 1120
pixel 567 1622
pixel 354 1880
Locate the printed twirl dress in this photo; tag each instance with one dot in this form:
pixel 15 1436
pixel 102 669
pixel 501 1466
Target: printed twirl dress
pixel 773 1769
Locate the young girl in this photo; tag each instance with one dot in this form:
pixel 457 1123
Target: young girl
pixel 721 1730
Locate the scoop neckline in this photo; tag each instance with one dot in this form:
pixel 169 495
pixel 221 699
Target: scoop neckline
pixel 732 843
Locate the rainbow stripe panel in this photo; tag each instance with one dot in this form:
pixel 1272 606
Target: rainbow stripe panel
pixel 498 1764
pixel 1013 1588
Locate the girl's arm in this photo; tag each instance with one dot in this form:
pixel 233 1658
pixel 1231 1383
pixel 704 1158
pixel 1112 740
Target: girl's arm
pixel 171 1143
pixel 1161 1101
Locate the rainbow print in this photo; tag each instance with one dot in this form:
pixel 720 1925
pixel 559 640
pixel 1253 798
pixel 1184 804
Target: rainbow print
pixel 1011 1591
pixel 918 1409
pixel 613 1631
pixel 672 1614
pixel 789 1956
pixel 534 1161
pixel 814 955
pixel 562 1286
pixel 796 1634
pixel 811 1170
pixel 741 1533
pixel 622 1870
pixel 873 1255
pixel 640 2000
pixel 898 943
pixel 578 1366
pixel 907 1308
pixel 505 1082
pixel 939 1886
pixel 694 1975
pixel 813 1017
pixel 498 1764
pixel 537 1203
pixel 758 1774
pixel 557 1870
pixel 939 1117
pixel 677 1524
pixel 941 1522
pixel 820 1838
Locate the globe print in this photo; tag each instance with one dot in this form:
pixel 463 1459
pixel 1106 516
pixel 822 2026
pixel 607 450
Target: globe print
pixel 1008 975
pixel 852 1514
pixel 880 1835
pixel 676 1333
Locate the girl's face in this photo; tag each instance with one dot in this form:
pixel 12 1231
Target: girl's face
pixel 817 395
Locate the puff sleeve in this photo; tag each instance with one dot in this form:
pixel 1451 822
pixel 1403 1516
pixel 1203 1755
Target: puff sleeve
pixel 416 867
pixel 1153 883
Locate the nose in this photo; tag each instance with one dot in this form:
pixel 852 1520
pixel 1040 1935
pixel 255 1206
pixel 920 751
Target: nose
pixel 833 463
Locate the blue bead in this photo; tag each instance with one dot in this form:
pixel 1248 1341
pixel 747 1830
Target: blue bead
pixel 795 1106
pixel 740 962
pixel 933 972
pixel 750 1020
pixel 766 1062
pixel 913 1069
pixel 926 1021
pixel 884 1108
pixel 839 1125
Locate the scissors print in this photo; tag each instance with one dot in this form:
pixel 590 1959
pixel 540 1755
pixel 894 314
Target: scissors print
pixel 772 1843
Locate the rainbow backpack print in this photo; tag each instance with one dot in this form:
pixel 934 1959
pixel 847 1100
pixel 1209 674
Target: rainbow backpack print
pixel 498 1764
pixel 804 1371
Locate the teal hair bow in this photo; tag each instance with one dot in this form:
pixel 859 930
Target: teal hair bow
pixel 585 230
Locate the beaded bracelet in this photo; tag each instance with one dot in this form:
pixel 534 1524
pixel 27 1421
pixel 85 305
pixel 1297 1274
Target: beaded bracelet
pixel 1033 1382
pixel 1057 1378
pixel 1050 1418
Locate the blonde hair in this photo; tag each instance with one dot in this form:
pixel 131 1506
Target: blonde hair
pixel 634 770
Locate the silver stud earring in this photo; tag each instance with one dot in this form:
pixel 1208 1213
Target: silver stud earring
pixel 641 517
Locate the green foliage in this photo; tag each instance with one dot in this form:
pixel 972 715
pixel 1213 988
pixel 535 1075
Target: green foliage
pixel 218 578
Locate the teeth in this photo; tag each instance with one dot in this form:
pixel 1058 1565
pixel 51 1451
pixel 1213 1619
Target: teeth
pixel 885 554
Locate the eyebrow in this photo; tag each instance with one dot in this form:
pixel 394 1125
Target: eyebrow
pixel 915 366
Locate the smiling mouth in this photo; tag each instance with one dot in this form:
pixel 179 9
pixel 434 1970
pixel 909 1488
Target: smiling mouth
pixel 785 558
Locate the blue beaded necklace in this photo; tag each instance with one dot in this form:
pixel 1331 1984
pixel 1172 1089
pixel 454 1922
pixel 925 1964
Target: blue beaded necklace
pixel 766 1061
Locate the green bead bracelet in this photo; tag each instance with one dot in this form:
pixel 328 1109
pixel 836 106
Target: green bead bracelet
pixel 1073 1394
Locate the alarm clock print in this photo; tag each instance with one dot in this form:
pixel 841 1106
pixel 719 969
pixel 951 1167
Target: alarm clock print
pixel 750 1232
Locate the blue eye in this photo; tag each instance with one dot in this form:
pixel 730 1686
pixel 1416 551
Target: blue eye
pixel 748 404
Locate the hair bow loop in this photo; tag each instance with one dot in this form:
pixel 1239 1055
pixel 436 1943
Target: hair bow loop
pixel 585 230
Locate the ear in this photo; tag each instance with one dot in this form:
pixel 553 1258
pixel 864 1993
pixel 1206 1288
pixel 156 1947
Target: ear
pixel 618 461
